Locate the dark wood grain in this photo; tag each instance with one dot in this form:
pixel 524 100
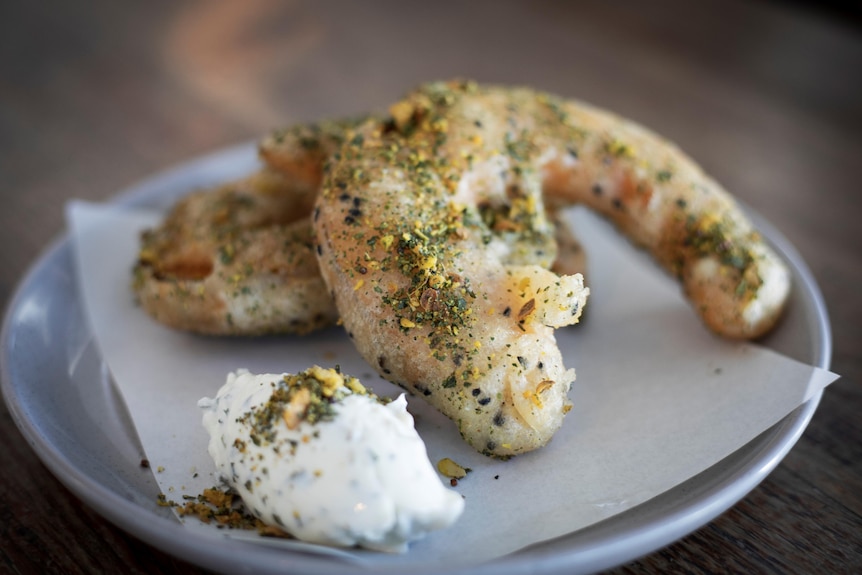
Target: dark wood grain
pixel 95 95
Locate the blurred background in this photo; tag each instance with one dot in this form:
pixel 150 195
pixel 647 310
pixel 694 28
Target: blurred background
pixel 96 95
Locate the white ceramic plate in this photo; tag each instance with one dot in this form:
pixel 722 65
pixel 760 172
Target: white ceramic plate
pixel 61 397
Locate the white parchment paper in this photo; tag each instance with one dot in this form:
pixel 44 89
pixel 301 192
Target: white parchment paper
pixel 657 399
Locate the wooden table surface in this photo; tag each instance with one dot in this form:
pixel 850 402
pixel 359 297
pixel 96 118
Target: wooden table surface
pixel 95 95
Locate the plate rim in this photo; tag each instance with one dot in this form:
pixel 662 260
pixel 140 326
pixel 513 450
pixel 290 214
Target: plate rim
pixel 571 552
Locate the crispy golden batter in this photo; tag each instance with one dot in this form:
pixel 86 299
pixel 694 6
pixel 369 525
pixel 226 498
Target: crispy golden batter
pixel 236 260
pixel 410 222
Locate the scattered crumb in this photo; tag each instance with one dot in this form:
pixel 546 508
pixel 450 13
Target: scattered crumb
pixel 223 507
pixel 451 469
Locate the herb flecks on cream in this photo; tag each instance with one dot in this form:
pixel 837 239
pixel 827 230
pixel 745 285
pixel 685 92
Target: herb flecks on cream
pixel 318 456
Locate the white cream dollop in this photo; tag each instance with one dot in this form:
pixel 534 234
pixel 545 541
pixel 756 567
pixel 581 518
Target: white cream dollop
pixel 361 477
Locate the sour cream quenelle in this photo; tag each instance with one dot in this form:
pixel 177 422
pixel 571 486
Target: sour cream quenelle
pixel 320 457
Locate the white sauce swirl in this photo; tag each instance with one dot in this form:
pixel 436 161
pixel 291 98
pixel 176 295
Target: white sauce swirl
pixel 360 478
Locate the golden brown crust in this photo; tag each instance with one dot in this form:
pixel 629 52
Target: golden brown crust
pixel 412 212
pixel 235 260
pixel 427 237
